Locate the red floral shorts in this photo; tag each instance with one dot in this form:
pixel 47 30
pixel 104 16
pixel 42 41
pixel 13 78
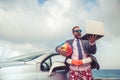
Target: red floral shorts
pixel 81 75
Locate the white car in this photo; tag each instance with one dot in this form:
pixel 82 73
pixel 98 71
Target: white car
pixel 36 66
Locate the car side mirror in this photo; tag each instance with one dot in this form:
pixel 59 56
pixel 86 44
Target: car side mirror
pixel 56 66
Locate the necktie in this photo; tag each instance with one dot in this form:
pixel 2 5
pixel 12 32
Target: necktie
pixel 79 49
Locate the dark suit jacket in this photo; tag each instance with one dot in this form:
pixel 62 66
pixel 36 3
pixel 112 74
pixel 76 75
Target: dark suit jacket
pixel 89 49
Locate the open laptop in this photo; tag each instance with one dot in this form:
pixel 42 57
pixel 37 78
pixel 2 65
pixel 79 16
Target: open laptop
pixel 93 28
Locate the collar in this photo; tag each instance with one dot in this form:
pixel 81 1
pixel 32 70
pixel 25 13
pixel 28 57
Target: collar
pixel 76 39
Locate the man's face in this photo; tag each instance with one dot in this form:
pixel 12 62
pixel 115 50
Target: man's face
pixel 77 33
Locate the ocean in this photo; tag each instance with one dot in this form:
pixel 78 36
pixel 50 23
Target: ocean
pixel 106 74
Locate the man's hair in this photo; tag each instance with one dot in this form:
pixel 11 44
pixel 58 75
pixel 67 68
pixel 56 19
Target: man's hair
pixel 74 28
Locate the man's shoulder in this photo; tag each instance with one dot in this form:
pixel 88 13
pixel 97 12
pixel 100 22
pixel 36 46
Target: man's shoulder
pixel 70 40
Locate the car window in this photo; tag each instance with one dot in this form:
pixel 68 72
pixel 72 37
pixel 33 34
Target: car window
pixel 46 65
pixel 57 58
pixel 58 65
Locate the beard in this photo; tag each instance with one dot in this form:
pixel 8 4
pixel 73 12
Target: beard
pixel 77 36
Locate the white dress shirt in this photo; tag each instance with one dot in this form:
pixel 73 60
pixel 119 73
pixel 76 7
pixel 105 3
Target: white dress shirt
pixel 75 57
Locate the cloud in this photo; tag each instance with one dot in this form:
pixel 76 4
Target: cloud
pixel 28 22
pixel 8 49
pixel 107 52
pixel 28 25
pixel 43 22
pixel 29 18
pixel 108 12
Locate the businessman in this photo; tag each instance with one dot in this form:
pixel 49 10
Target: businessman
pixel 81 62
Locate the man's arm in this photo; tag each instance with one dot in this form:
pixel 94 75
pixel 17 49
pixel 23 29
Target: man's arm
pixel 92 48
pixel 91 45
pixel 79 62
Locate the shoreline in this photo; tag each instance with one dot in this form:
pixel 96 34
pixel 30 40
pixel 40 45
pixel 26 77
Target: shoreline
pixel 107 78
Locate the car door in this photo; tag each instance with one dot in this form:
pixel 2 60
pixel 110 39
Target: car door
pixel 55 67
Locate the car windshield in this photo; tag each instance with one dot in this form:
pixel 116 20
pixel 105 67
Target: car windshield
pixel 27 57
pixel 30 58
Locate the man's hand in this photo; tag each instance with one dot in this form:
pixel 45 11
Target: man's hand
pixel 92 38
pixel 62 51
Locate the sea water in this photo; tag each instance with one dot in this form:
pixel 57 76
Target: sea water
pixel 106 74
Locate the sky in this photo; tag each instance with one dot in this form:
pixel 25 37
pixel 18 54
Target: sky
pixel 28 26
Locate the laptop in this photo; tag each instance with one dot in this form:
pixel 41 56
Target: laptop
pixel 93 28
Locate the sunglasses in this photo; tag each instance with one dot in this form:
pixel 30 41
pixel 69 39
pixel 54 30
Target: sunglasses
pixel 78 30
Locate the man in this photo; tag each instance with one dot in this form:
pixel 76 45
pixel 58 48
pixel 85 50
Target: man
pixel 80 60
